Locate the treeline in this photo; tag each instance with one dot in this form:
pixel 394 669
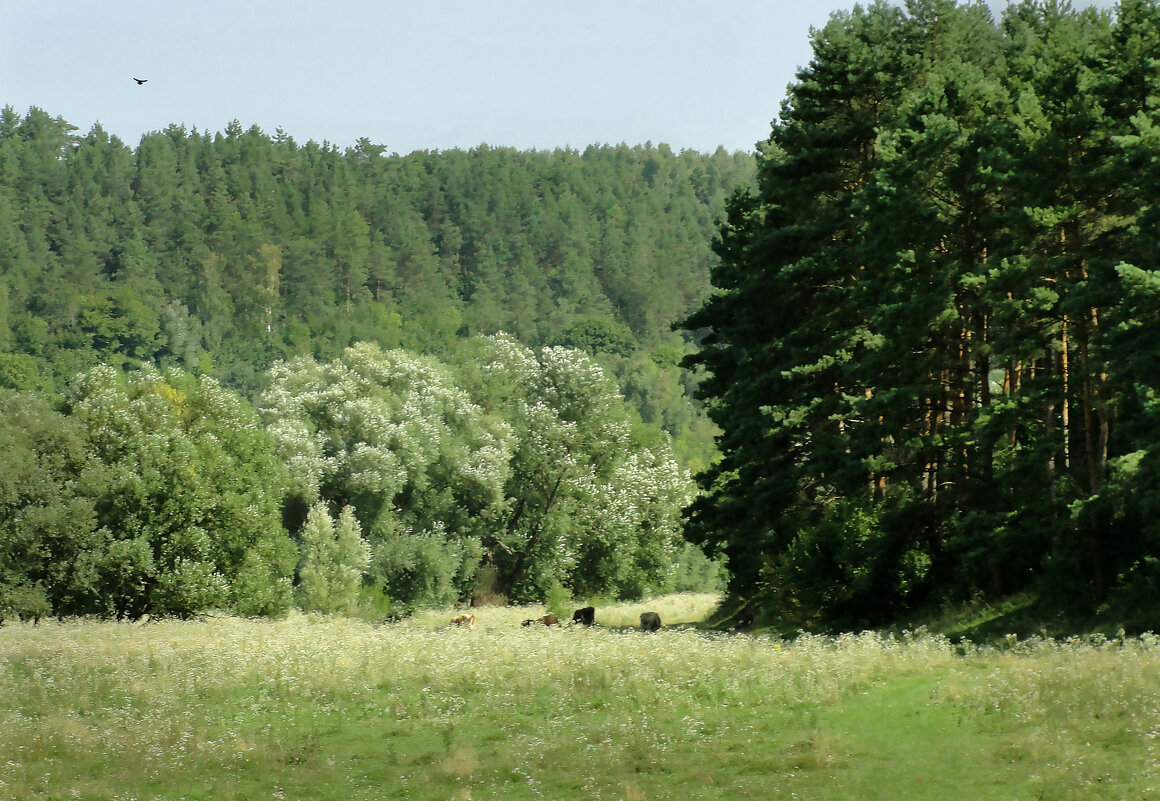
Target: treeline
pixel 237 372
pixel 372 483
pixel 222 254
pixel 936 355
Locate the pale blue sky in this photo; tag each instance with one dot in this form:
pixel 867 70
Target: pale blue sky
pixel 435 74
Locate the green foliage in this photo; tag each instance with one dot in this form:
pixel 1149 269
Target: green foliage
pixel 161 494
pixel 521 462
pixel 262 586
pixel 24 602
pixel 931 354
pixel 598 335
pixel 48 518
pixel 695 572
pixel 334 558
pixel 390 434
pixel 559 601
pixel 429 568
pixel 590 505
pixel 261 262
pixel 192 483
pixel 226 253
pixel 18 371
pixel 149 493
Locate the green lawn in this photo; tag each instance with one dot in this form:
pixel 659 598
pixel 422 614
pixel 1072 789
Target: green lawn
pixel 317 708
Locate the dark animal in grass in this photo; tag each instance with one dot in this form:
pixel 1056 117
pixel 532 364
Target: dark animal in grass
pixel 547 620
pixel 587 615
pixel 650 621
pixel 743 620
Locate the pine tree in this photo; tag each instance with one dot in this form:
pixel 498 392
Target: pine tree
pixel 783 333
pixel 334 558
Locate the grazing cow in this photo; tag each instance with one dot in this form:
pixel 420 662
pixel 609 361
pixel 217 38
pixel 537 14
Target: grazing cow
pixel 547 620
pixel 587 615
pixel 464 620
pixel 650 621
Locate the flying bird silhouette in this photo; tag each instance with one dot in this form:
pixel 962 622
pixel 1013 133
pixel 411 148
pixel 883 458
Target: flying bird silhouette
pixel 140 80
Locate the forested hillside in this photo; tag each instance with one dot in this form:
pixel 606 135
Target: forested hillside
pixel 241 373
pixel 934 358
pixel 224 253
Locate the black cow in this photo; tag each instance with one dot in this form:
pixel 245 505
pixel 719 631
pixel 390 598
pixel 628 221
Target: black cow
pixel 587 615
pixel 743 619
pixel 650 621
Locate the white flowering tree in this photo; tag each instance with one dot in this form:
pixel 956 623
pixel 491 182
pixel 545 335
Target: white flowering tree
pixel 186 493
pixel 593 503
pixel 390 434
pixel 631 538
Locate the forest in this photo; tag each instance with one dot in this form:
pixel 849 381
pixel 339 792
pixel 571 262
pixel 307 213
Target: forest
pixel 909 349
pixel 222 254
pixel 934 355
pixel 238 372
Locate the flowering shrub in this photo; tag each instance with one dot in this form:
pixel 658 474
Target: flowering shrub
pixel 390 435
pixel 163 494
pixel 591 506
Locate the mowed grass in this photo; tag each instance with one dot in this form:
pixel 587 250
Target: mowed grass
pixel 321 708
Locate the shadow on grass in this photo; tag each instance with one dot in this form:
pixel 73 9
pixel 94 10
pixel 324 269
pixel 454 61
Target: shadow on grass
pixel 979 621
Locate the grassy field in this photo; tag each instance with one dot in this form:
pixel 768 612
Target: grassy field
pixel 320 708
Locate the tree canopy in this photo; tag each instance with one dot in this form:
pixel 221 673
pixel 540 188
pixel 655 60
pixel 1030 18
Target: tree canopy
pixel 152 297
pixel 225 253
pixel 146 493
pixel 927 355
pixel 377 482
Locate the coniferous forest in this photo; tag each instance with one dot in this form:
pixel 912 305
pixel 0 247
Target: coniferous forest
pixel 911 349
pixel 934 356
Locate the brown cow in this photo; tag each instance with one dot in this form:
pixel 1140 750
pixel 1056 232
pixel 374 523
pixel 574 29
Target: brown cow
pixel 464 620
pixel 587 615
pixel 650 621
pixel 547 620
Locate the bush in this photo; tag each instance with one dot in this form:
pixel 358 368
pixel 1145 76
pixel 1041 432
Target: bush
pixel 25 601
pixel 696 572
pixel 334 559
pixel 558 599
pixel 425 569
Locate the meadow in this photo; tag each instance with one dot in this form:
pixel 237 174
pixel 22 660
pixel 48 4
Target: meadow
pixel 312 707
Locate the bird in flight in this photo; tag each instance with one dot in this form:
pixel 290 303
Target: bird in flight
pixel 140 80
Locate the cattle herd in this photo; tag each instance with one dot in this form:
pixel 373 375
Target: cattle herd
pixel 586 616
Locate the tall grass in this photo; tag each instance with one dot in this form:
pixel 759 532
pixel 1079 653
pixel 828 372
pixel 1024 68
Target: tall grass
pixel 327 708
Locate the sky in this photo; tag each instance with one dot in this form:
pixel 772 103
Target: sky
pixel 429 75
